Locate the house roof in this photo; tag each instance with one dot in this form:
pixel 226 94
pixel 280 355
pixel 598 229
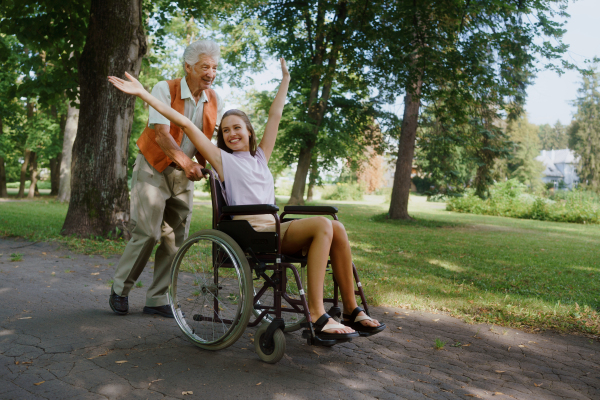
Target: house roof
pixel 563 156
pixel 552 157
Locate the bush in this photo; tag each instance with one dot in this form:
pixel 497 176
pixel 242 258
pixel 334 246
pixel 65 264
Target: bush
pixel 40 185
pixel 343 191
pixel 422 184
pixel 507 199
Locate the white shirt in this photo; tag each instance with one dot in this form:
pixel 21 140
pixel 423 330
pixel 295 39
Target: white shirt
pixel 194 112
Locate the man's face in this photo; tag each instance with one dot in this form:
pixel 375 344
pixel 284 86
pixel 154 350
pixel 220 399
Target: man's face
pixel 203 73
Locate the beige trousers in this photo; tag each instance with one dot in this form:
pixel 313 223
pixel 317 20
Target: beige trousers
pixel 161 209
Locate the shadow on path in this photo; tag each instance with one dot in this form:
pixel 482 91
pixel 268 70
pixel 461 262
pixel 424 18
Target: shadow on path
pixel 59 339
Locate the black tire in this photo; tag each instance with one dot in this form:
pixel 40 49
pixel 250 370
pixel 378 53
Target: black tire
pixel 211 290
pixel 274 353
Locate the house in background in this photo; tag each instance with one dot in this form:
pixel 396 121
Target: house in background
pixel 561 166
pixel 390 170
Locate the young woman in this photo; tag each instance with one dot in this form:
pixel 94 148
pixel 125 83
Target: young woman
pixel 242 167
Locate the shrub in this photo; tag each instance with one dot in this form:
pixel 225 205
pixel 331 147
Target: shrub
pixel 343 191
pixel 40 185
pixel 507 199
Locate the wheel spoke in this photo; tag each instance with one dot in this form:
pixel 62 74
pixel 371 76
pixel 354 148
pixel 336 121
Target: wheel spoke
pixel 214 287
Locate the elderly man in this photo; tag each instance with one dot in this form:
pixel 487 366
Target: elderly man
pixel 162 184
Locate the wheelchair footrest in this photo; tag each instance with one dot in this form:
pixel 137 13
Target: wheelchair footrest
pixel 335 311
pixel 317 341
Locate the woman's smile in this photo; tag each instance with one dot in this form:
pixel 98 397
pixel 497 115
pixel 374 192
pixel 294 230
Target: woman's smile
pixel 235 133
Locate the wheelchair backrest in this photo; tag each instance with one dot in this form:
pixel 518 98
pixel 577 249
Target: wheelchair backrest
pixel 241 231
pixel 216 195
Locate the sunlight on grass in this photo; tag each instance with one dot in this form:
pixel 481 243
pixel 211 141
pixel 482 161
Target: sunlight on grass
pixel 512 272
pixel 445 264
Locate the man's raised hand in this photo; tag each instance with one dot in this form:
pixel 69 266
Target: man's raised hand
pixel 133 86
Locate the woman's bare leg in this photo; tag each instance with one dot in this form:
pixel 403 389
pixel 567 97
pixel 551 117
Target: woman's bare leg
pixel 318 233
pixel 341 263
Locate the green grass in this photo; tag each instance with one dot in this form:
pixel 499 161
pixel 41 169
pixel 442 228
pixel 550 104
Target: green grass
pixel 439 344
pixel 530 274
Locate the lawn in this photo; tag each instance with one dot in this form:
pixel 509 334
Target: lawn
pixel 522 273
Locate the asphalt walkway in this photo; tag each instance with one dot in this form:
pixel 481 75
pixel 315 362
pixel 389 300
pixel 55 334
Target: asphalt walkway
pixel 59 339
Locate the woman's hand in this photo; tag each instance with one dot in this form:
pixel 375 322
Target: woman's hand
pixel 133 86
pixel 284 69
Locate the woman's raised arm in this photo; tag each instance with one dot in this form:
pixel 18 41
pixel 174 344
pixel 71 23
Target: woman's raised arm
pixel 208 150
pixel 268 141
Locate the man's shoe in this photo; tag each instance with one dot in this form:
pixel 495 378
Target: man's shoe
pixel 163 311
pixel 119 304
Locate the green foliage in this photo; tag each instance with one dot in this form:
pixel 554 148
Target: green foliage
pixel 584 133
pixel 40 185
pixel 54 33
pixel 553 137
pixel 343 191
pixel 470 62
pixel 524 166
pixel 508 199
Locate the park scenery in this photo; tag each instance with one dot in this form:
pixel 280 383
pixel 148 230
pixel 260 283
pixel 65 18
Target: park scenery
pixel 473 220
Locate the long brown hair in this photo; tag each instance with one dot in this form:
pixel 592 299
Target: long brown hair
pixel 251 140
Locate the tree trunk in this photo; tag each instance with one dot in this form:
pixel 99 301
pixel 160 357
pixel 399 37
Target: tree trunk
pixel 64 186
pixel 297 196
pixel 3 190
pixel 406 152
pixel 115 43
pixel 34 177
pixel 21 193
pixel 312 179
pixel 54 175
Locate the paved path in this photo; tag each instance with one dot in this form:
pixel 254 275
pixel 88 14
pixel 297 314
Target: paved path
pixel 59 339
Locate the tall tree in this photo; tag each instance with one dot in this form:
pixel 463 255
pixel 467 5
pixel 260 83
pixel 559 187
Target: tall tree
pixel 10 109
pixel 115 43
pixel 584 132
pixel 523 163
pixel 323 42
pixel 553 136
pixel 460 52
pixel 54 33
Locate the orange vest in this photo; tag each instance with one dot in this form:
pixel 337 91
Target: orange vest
pixel 147 142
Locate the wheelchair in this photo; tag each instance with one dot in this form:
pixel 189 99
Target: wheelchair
pixel 214 295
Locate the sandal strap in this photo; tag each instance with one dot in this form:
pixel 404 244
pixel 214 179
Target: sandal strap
pixel 355 313
pixel 322 321
pixel 334 325
pixel 362 318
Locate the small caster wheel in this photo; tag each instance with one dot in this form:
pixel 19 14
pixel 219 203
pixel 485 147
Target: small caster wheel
pixel 271 354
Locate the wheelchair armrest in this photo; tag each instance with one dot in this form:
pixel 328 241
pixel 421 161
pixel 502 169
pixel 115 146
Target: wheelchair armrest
pixel 310 209
pixel 250 209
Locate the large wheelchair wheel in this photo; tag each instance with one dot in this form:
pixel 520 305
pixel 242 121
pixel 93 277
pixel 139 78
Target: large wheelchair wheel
pixel 292 320
pixel 211 290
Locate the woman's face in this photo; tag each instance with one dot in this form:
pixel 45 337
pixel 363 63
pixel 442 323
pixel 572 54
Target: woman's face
pixel 235 133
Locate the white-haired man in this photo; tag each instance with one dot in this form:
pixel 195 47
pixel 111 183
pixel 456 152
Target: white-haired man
pixel 162 184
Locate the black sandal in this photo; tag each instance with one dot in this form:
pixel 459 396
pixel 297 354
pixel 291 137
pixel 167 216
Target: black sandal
pixel 322 325
pixel 353 321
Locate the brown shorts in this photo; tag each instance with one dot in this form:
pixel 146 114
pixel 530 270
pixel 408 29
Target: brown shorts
pixel 266 223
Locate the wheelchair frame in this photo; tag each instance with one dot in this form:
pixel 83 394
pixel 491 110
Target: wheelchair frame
pixel 246 251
